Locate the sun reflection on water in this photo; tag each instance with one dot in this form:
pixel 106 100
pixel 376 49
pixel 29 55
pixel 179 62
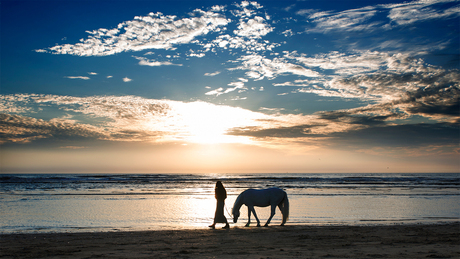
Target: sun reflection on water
pixel 188 208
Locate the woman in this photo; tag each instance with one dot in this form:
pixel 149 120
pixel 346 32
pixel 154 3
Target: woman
pixel 221 195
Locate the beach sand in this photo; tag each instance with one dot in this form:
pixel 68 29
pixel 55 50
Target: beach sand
pixel 395 241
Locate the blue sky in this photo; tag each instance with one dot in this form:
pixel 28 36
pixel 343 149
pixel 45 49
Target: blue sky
pixel 221 86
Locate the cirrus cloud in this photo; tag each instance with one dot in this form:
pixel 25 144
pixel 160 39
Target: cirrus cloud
pixel 360 19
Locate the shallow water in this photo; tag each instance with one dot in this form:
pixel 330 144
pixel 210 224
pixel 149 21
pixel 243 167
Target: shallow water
pixel 73 203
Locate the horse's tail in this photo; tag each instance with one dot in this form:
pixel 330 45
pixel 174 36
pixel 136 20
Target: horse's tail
pixel 285 208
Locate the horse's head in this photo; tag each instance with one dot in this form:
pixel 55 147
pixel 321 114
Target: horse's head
pixel 236 214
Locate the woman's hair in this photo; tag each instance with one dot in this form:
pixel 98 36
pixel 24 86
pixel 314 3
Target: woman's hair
pixel 219 185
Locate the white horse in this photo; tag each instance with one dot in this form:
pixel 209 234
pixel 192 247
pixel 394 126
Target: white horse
pixel 262 198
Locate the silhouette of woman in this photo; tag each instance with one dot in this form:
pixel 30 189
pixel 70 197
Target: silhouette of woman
pixel 221 195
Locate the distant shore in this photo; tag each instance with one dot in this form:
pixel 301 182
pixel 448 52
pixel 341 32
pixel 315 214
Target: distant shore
pixel 290 241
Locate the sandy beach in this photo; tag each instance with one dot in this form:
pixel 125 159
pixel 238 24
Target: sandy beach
pixel 397 241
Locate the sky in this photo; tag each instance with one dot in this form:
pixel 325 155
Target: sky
pixel 229 86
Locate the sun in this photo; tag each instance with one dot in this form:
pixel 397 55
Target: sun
pixel 206 123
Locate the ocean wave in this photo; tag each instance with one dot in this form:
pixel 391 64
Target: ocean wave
pixel 177 183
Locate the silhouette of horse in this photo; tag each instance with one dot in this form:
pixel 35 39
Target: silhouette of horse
pixel 262 198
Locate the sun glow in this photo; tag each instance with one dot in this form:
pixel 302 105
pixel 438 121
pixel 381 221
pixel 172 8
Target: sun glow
pixel 206 123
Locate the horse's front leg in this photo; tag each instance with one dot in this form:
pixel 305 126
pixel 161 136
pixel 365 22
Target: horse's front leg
pixel 249 216
pixel 273 210
pixel 255 215
pixel 251 209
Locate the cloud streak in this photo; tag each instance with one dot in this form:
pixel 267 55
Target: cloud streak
pixel 77 77
pixel 154 31
pixel 361 19
pixel 378 77
pixel 15 128
pixel 408 13
pixel 212 74
pixel 152 63
pixel 236 86
pixel 259 67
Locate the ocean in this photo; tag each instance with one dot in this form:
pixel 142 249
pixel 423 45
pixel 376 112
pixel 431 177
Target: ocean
pixel 31 203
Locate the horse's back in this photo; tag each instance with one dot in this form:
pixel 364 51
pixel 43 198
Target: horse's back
pixel 275 190
pixel 271 190
pixel 263 197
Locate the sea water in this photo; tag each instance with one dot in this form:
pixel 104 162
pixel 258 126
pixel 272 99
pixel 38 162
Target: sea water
pixel 124 202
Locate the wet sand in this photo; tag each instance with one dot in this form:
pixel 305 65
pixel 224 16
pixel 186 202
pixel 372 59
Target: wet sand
pixel 397 241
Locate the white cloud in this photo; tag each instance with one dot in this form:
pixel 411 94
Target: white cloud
pixel 253 28
pixel 243 79
pixel 273 110
pixel 218 8
pixel 126 79
pixel 381 78
pixel 155 31
pixel 245 9
pixel 92 73
pixel 251 45
pixel 310 12
pixel 236 86
pixel 259 67
pixel 149 62
pixel 158 31
pixel 253 74
pixel 215 92
pixel 198 55
pixel 344 64
pixel 288 33
pixel 408 13
pixel 212 74
pixel 78 77
pixel 239 98
pixel 349 20
pixel 359 19
pixel 109 76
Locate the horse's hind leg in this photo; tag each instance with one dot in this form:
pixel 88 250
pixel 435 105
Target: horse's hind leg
pixel 273 210
pixel 282 214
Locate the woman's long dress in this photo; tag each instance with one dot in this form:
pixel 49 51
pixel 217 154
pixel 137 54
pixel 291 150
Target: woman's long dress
pixel 219 216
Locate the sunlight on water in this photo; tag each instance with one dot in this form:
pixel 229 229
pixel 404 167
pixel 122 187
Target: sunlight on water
pixel 128 212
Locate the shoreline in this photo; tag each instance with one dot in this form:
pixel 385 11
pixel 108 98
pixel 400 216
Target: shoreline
pixel 274 223
pixel 290 241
